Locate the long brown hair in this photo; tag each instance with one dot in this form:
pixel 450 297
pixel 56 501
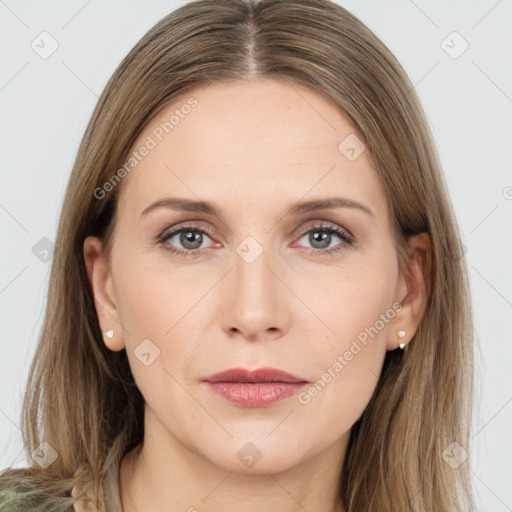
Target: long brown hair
pixel 81 398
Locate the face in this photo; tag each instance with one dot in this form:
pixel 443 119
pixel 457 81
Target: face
pixel 256 280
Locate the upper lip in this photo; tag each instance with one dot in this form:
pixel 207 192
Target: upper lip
pixel 258 375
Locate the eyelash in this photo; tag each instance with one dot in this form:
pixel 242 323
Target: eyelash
pixel 347 239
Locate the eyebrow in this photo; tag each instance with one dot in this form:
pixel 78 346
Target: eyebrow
pixel 209 208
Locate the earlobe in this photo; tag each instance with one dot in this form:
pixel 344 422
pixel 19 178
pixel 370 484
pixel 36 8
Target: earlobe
pixel 412 292
pixel 102 289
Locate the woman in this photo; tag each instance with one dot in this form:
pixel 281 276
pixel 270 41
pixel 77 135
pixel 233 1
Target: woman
pixel 257 296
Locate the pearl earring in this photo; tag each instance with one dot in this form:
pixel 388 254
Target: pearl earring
pixel 401 333
pixel 109 334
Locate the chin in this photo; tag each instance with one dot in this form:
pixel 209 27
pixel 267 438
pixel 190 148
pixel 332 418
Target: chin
pixel 257 454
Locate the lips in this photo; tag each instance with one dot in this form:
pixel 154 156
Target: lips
pixel 260 375
pixel 257 388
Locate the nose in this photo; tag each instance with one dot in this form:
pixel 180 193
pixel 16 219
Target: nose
pixel 254 300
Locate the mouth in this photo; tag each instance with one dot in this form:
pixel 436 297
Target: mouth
pixel 257 388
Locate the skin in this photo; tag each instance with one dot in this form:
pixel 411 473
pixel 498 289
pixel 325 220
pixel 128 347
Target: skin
pixel 254 149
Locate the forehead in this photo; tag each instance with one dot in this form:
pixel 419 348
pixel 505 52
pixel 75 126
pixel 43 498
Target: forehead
pixel 263 142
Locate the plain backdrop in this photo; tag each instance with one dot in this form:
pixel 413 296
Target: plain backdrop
pixel 457 55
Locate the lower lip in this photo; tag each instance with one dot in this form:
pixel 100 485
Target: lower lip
pixel 259 394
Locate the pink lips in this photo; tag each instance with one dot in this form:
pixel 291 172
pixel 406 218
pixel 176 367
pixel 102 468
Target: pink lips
pixel 257 388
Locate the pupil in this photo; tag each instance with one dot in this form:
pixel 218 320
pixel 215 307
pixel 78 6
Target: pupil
pixel 322 239
pixel 191 237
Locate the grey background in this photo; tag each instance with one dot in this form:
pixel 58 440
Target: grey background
pixel 45 105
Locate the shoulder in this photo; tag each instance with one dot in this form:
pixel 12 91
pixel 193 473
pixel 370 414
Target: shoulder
pixel 109 498
pixel 20 492
pixel 84 495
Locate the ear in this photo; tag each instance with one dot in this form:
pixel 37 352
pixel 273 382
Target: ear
pixel 102 288
pixel 412 291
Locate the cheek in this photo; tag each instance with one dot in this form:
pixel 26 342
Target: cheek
pixel 357 311
pixel 349 359
pixel 159 312
pixel 151 299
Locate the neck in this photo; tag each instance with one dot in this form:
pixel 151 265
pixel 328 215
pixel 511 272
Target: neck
pixel 169 477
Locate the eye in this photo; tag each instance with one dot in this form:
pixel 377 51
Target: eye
pixel 321 237
pixel 191 239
